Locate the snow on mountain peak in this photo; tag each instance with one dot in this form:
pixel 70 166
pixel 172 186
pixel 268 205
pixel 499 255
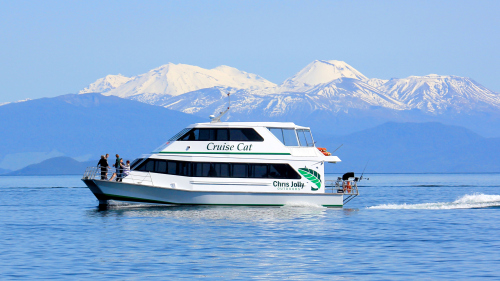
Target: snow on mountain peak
pixel 103 85
pixel 176 79
pixel 322 71
pixel 376 82
pixel 436 93
pixel 332 86
pixel 244 79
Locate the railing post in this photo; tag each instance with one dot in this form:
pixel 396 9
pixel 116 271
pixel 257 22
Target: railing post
pixel 150 178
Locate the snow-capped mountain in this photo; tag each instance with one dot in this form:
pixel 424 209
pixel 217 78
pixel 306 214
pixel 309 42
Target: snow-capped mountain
pixel 320 72
pixel 321 92
pixel 5 103
pixel 320 86
pixel 106 84
pixel 338 95
pixel 353 93
pixel 436 93
pixel 375 82
pixel 177 79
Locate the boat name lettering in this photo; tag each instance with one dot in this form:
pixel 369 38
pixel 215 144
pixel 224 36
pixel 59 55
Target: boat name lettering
pixel 294 185
pixel 229 147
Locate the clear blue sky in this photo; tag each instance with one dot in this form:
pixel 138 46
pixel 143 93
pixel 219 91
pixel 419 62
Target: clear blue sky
pixel 50 48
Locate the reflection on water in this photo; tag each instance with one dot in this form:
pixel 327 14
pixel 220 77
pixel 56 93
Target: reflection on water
pixel 229 213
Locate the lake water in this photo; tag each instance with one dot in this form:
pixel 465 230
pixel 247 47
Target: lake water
pixel 419 226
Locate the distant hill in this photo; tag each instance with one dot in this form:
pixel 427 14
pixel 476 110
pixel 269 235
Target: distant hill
pixel 388 148
pixel 83 127
pixel 4 171
pixel 55 166
pixel 414 148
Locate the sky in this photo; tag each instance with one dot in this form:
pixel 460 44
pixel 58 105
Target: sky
pixel 52 48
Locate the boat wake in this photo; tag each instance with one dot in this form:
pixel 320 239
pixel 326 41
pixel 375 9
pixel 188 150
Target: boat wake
pixel 303 204
pixel 470 201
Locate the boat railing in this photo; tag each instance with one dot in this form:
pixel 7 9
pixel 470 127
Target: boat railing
pixel 349 188
pixel 95 173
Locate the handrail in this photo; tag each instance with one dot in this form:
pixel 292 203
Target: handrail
pixel 135 177
pixel 348 187
pixel 345 187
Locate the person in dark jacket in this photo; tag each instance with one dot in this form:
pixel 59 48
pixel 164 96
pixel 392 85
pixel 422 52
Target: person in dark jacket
pixel 118 167
pixel 121 171
pixel 103 163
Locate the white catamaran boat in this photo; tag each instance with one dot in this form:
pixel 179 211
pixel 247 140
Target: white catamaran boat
pixel 230 163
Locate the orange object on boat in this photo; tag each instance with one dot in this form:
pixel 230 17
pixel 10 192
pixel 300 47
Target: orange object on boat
pixel 348 186
pixel 323 150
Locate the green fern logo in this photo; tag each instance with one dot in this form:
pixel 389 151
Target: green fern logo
pixel 311 175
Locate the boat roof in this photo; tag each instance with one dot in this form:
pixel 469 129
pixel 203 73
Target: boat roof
pixel 248 124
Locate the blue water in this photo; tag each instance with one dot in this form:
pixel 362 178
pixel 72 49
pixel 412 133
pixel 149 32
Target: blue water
pixel 401 227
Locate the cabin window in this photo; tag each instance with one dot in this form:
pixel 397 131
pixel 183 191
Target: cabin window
pixel 305 137
pixel 280 171
pixel 278 133
pixel 232 134
pixel 221 170
pixel 258 171
pixel 240 170
pixel 206 134
pixel 150 165
pixel 224 170
pixel 161 166
pixel 135 163
pixel 302 138
pixel 222 135
pixel 184 168
pixel 244 134
pixel 201 169
pixel 292 137
pixel 171 167
pixel 309 137
pixel 190 135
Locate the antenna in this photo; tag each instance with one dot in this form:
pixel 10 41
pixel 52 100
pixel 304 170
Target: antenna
pixel 364 170
pixel 217 119
pixel 337 148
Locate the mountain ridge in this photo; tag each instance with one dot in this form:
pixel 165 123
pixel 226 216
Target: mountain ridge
pixel 333 93
pixel 83 127
pixel 388 148
pixel 54 166
pixel 176 79
pixel 432 94
pixel 428 147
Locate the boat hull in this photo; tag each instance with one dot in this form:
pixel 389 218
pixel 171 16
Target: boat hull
pixel 110 190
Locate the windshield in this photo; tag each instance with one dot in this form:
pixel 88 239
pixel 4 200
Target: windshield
pixel 305 137
pixel 292 137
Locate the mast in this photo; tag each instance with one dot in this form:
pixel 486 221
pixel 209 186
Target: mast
pixel 217 119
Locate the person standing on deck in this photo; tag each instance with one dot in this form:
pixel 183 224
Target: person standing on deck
pixel 118 167
pixel 126 169
pixel 103 163
pixel 121 171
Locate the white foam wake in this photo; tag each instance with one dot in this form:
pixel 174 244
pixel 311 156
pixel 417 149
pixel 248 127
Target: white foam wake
pixel 469 201
pixel 302 204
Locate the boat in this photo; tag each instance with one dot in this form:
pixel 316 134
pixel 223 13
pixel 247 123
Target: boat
pixel 231 164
